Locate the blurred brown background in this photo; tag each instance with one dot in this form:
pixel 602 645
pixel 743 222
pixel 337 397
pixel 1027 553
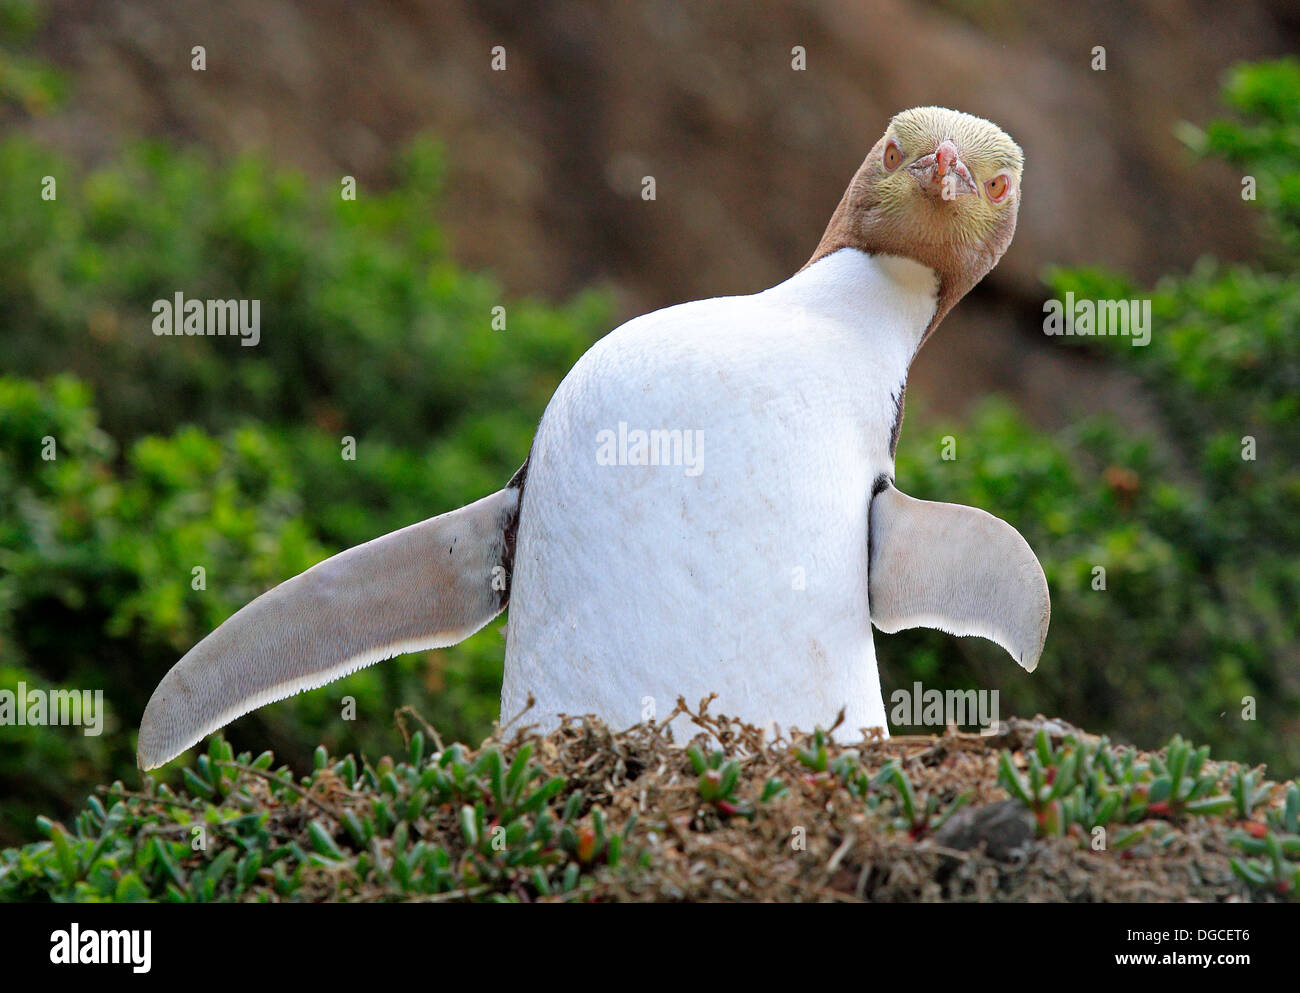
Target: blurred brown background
pixel 749 156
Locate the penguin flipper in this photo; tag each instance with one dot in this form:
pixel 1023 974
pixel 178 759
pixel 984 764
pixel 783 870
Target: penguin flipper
pixel 429 585
pixel 957 569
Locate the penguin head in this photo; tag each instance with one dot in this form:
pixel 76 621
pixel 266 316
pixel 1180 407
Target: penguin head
pixel 939 187
pixel 949 177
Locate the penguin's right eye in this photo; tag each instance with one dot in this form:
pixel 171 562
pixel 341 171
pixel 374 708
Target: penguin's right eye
pixel 893 156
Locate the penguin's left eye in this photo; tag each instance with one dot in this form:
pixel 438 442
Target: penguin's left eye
pixel 893 157
pixel 998 187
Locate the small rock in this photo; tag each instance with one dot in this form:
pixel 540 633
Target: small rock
pixel 1005 827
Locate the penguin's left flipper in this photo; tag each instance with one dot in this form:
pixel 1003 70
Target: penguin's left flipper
pixel 429 585
pixel 957 569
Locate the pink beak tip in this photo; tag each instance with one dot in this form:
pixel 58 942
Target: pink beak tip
pixel 944 156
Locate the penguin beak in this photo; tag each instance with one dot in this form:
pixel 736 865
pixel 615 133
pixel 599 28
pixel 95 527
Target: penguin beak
pixel 942 173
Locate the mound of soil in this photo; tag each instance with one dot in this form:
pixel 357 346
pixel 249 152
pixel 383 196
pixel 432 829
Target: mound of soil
pixel 587 813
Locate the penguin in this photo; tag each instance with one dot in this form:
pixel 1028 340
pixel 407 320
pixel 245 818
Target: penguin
pixel 708 505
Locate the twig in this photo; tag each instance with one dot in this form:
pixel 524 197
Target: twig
pixel 272 778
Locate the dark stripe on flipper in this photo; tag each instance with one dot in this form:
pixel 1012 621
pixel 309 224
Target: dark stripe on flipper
pixel 510 530
pixel 517 480
pixel 882 483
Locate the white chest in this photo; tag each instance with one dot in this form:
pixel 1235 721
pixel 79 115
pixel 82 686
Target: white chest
pixel 695 514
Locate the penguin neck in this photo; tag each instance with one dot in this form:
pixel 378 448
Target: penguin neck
pixel 889 301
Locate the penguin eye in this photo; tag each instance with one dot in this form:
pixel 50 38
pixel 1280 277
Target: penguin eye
pixel 998 186
pixel 892 158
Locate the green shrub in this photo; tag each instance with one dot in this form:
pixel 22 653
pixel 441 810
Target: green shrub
pixel 177 453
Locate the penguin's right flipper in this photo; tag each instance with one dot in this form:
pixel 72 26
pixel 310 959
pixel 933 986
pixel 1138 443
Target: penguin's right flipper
pixel 429 585
pixel 958 569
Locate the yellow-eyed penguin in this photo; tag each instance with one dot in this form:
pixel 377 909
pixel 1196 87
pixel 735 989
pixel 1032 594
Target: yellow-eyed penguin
pixel 708 504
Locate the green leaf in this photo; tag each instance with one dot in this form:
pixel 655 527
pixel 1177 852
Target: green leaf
pixel 696 758
pixel 1009 779
pixel 469 827
pixel 66 856
pixel 322 841
pixel 516 777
